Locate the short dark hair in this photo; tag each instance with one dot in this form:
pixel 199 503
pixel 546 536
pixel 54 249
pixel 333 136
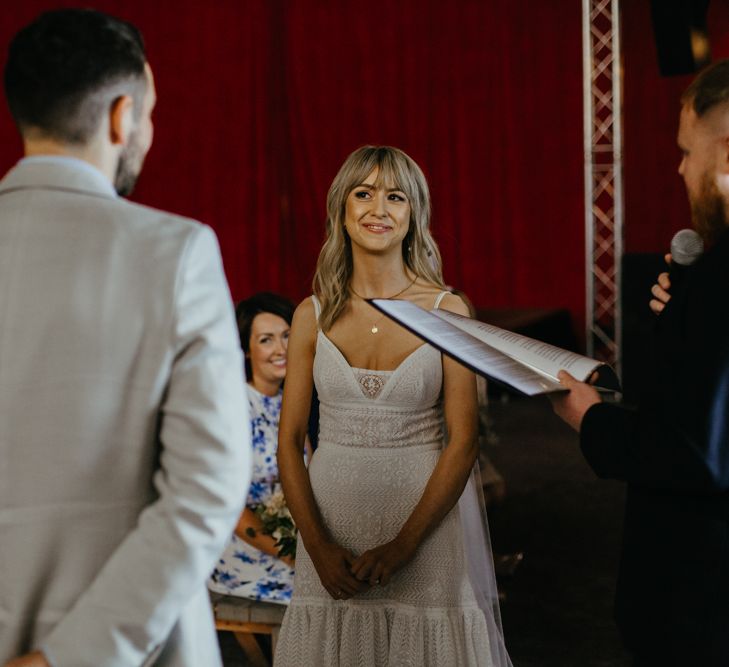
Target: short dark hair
pixel 709 88
pixel 246 311
pixel 67 66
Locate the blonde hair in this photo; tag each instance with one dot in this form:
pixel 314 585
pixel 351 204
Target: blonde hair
pixel 420 253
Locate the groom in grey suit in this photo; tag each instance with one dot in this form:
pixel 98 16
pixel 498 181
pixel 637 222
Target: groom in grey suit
pixel 124 446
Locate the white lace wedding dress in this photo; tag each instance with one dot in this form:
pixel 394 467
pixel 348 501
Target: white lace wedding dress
pixel 381 433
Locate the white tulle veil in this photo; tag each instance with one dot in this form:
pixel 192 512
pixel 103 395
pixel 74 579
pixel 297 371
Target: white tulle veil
pixel 477 548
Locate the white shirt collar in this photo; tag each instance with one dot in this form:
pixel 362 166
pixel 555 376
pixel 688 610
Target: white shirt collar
pixel 75 163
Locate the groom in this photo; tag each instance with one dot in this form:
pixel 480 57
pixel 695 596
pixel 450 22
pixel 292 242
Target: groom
pixel 124 447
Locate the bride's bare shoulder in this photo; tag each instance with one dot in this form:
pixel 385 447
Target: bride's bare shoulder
pixel 304 321
pixel 455 304
pixel 427 294
pixel 306 308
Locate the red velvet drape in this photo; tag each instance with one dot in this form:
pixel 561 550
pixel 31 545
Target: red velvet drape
pixel 261 100
pixel 466 89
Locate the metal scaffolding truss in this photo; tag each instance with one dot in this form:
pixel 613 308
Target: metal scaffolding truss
pixel 603 177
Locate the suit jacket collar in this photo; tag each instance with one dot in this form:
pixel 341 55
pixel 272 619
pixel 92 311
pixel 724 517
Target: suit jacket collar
pixel 54 173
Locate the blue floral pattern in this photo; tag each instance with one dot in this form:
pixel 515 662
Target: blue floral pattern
pixel 243 570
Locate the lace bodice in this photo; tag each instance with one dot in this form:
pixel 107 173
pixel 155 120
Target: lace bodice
pixel 367 408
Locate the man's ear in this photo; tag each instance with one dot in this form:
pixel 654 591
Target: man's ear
pixel 721 154
pixel 121 119
pixel 723 166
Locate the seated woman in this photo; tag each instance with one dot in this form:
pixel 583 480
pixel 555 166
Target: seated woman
pixel 250 566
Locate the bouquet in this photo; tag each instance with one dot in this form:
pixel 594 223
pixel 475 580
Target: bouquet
pixel 277 522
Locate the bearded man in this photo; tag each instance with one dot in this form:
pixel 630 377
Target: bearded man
pixel 672 597
pixel 124 450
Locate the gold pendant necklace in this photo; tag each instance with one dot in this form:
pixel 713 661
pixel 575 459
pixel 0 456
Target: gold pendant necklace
pixel 374 329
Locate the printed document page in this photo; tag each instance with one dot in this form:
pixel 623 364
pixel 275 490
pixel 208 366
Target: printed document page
pixel 526 364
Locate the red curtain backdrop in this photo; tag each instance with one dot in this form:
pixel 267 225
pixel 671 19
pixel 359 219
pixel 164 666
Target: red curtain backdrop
pixel 261 100
pixel 466 89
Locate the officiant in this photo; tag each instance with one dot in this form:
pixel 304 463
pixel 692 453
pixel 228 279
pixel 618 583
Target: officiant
pixel 672 599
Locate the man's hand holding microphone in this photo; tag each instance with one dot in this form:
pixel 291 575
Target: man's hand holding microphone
pixel 686 248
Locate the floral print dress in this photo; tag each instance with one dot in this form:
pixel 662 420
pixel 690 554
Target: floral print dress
pixel 243 570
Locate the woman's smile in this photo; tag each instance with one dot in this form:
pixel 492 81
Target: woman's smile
pixel 377 227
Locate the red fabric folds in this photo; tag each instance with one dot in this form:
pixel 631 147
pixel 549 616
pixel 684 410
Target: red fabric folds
pixel 261 100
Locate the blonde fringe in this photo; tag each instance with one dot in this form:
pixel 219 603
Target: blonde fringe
pixel 420 251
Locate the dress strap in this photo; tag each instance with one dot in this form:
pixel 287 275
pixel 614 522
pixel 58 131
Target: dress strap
pixel 439 298
pixel 317 308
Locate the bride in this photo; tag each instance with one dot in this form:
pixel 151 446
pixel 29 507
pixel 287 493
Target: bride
pixel 383 577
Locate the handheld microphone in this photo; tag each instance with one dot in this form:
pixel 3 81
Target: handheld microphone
pixel 686 248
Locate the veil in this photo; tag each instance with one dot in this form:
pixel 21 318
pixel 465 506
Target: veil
pixel 477 541
pixel 480 563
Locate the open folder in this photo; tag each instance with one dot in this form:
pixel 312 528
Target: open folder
pixel 522 363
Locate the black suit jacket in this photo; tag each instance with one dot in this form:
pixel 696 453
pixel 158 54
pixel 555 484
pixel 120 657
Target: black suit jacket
pixel 672 598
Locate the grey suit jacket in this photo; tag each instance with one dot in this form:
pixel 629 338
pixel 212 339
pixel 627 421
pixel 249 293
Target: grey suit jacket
pixel 124 432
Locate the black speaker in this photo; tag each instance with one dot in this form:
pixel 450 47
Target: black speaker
pixel 682 40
